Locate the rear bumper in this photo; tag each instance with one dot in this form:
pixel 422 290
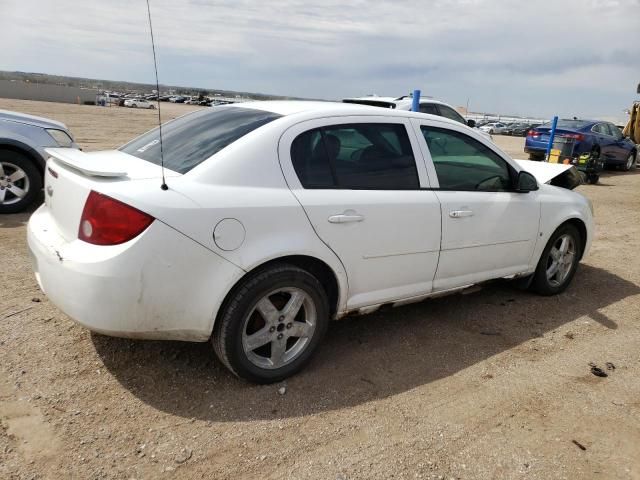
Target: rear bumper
pixel 161 285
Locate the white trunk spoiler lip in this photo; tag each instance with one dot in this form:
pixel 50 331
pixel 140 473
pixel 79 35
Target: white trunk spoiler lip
pixel 104 164
pixel 543 171
pixel 109 164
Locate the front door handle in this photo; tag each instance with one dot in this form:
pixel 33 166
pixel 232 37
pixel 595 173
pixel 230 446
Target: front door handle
pixel 346 217
pixel 460 213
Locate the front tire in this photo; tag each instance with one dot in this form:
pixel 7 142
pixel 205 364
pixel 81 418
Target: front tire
pixel 20 181
pixel 272 324
pixel 631 161
pixel 558 262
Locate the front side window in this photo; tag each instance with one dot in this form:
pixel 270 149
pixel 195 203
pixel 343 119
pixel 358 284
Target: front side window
pixel 370 156
pixel 463 163
pixel 190 140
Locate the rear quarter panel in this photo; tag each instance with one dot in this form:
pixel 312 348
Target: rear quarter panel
pixel 243 182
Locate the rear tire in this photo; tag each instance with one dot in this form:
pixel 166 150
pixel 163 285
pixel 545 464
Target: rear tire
pixel 558 262
pixel 20 181
pixel 536 157
pixel 271 324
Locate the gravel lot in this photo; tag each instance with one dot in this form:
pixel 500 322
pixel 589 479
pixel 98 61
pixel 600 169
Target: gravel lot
pixel 491 384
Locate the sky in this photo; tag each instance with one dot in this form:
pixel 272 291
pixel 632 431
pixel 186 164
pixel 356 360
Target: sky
pixel 535 58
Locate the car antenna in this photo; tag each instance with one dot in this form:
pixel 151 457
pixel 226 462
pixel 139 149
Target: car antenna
pixel 155 65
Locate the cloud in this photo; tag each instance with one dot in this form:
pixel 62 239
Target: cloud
pixel 511 56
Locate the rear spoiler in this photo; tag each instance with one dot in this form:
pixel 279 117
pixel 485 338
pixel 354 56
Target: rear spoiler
pixel 99 164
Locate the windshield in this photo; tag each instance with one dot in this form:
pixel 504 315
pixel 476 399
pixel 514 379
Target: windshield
pixel 190 140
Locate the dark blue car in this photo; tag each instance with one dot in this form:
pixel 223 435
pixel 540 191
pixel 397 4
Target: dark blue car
pixel 590 136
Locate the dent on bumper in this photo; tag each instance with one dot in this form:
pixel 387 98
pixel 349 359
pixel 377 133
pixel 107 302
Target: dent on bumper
pixel 161 285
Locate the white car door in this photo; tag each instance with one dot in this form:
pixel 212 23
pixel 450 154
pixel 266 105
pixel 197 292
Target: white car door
pixel 364 188
pixel 488 229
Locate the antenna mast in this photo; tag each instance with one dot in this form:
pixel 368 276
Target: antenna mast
pixel 155 65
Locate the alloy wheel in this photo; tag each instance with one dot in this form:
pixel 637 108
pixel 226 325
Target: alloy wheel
pixel 14 183
pixel 630 162
pixel 560 260
pixel 279 327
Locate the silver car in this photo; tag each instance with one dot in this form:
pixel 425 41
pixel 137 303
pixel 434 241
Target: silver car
pixel 23 139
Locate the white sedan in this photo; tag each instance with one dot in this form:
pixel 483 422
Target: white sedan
pixel 279 216
pixel 138 103
pixel 494 127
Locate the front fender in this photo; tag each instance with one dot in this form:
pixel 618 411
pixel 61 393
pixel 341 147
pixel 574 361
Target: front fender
pixel 559 206
pixel 37 154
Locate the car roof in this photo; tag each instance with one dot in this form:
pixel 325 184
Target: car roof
pixel 290 107
pixel 317 109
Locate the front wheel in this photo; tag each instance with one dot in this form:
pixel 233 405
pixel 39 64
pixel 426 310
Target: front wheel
pixel 558 261
pixel 20 181
pixel 272 324
pixel 631 161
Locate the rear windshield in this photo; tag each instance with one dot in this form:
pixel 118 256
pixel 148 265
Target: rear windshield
pixel 571 124
pixel 190 140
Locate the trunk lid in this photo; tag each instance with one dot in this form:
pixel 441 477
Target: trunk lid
pixel 71 175
pixel 544 133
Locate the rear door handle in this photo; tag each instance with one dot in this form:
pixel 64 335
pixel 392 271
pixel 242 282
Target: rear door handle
pixel 460 213
pixel 346 217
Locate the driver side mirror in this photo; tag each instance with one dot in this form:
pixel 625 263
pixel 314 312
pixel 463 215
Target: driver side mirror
pixel 526 182
pixel 471 123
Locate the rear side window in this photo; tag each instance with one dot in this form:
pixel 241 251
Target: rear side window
pixel 601 128
pixel 367 156
pixel 190 140
pixel 429 108
pixel 451 114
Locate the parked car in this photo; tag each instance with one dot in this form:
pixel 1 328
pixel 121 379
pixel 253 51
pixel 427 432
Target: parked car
pixel 493 128
pixel 23 139
pixel 427 105
pixel 177 99
pixel 280 216
pixel 602 139
pixel 138 103
pixel 510 127
pixel 522 129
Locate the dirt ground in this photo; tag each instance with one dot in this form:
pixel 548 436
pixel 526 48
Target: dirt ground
pixel 491 384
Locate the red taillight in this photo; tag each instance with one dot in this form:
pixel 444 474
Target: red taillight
pixel 576 136
pixel 532 133
pixel 106 221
